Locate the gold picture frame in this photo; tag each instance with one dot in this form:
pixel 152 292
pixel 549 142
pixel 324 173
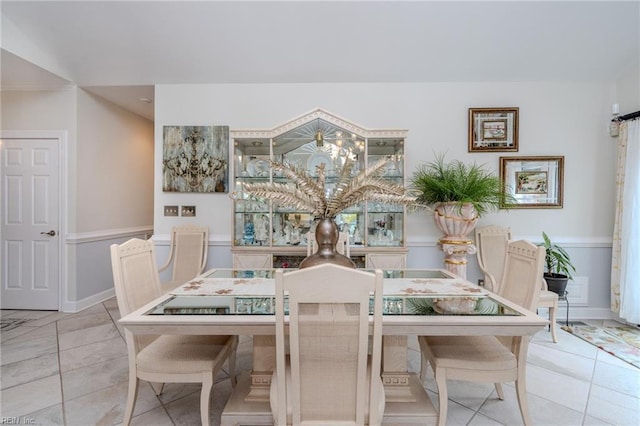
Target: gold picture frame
pixel 533 182
pixel 493 129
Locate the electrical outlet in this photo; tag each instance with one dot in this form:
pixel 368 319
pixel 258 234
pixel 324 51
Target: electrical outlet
pixel 188 211
pixel 480 282
pixel 171 210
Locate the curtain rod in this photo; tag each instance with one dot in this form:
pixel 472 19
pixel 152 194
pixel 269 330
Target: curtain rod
pixel 629 116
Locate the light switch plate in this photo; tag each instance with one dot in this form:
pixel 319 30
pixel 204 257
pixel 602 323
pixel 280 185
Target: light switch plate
pixel 171 210
pixel 188 211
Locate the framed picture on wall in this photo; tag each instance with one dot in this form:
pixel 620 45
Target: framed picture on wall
pixel 533 182
pixel 493 129
pixel 195 159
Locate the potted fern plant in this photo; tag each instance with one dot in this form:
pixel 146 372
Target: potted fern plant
pixel 558 266
pixel 459 194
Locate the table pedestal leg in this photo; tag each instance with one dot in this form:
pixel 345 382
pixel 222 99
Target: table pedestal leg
pixel 264 363
pixel 455 255
pixel 395 376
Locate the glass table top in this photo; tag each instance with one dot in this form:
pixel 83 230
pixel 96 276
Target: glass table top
pixel 407 292
pixel 269 273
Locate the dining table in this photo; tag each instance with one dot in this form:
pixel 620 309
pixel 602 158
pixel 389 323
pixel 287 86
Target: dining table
pixel 415 302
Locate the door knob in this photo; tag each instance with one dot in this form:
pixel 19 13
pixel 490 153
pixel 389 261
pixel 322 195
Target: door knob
pixel 51 233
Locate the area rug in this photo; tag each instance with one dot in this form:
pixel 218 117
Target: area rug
pixel 621 341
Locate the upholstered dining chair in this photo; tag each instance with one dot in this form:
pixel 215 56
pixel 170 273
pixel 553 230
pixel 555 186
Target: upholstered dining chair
pixel 342 246
pixel 328 377
pixel 488 358
pixel 187 254
pixel 163 359
pixel 491 243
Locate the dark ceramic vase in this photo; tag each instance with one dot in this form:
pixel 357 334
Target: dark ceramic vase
pixel 326 237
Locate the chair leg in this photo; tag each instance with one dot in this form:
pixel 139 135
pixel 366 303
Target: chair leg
pixel 499 391
pixel 441 383
pixel 552 323
pixel 205 397
pixel 521 392
pixel 131 397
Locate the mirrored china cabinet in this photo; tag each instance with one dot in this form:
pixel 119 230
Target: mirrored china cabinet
pixel 267 235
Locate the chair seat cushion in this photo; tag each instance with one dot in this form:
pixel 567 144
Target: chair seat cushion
pixel 472 352
pixel 547 298
pixel 181 354
pixel 274 395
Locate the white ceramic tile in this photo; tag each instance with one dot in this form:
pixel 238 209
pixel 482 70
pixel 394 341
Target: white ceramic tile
pixel 56 316
pixel 87 336
pixel 566 363
pixel 50 416
pixel 542 411
pixel 5 336
pixel 106 406
pixel 85 380
pixel 29 397
pixel 479 420
pixel 110 303
pixel 592 421
pixel 21 372
pixel 186 410
pixel 155 417
pixel 174 391
pixel 32 315
pixel 620 379
pixel 19 349
pixel 33 333
pixel 68 325
pixel 92 353
pixel 468 394
pixel 614 407
pixel 565 390
pixel 457 414
pixel 567 342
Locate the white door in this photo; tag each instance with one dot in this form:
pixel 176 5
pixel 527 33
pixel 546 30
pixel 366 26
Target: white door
pixel 30 223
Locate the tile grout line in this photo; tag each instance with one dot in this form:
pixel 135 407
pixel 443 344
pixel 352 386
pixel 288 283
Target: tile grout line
pixel 64 410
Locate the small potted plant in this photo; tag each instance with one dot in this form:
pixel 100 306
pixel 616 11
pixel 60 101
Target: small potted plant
pixel 558 266
pixel 459 194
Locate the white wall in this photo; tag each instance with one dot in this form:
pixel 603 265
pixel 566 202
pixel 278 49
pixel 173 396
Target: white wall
pixel 115 148
pixel 568 119
pixel 555 119
pixel 114 189
pixel 628 89
pixel 109 189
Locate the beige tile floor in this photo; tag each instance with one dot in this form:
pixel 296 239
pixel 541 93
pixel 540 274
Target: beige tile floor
pixel 71 369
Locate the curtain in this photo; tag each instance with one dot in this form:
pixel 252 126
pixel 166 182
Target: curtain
pixel 625 262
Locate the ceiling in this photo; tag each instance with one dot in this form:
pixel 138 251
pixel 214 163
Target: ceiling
pixel 120 50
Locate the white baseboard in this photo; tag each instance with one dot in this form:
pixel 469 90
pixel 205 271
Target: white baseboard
pixel 83 304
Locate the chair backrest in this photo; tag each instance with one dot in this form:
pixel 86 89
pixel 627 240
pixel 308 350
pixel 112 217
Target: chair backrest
pixel 135 274
pixel 491 244
pixel 342 246
pixel 328 339
pixel 522 272
pixel 188 252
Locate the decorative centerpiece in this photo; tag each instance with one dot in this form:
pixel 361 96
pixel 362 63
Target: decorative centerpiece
pixel 311 194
